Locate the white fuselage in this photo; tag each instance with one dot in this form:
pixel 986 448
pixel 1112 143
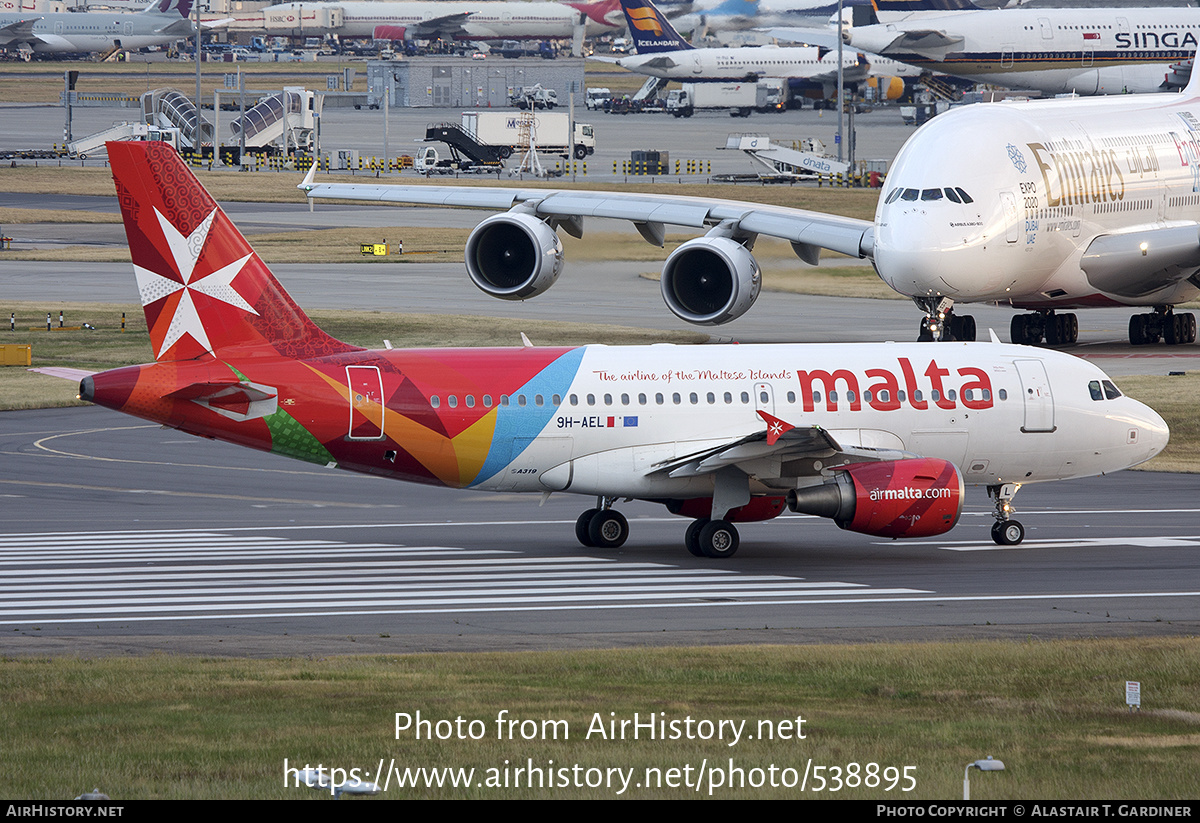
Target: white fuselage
pixel 87 32
pixel 1082 51
pixel 1045 180
pixel 1000 413
pixel 731 64
pixel 479 21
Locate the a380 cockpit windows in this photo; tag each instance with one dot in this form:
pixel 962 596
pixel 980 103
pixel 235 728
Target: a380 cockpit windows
pixel 953 194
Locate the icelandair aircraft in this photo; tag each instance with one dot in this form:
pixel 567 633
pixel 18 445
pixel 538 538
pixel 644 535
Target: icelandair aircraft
pixel 663 52
pixel 879 438
pixel 1042 205
pixel 163 21
pixel 1081 51
pixel 428 19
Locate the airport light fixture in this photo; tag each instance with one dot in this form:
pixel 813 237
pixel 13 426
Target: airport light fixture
pixel 989 765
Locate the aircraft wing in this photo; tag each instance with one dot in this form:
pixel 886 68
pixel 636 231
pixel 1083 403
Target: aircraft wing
pixel 775 446
pixel 181 27
pixel 934 45
pixel 20 31
pixel 1144 260
pixel 808 231
pixel 826 38
pixel 447 24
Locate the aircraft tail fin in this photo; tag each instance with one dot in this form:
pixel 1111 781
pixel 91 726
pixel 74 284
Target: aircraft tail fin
pixel 650 29
pixel 202 287
pixel 181 7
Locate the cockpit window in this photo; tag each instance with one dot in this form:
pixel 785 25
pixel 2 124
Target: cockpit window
pixel 931 194
pixel 1103 390
pixel 910 194
pixel 953 195
pixel 1094 390
pixel 966 198
pixel 1111 392
pixel 891 198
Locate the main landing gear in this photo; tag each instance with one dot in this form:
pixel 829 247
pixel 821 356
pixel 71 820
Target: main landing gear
pixel 941 323
pixel 605 528
pixel 1056 329
pixel 602 527
pixel 1162 323
pixel 1005 531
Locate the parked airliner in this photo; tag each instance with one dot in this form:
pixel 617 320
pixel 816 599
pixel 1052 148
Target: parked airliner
pixel 1047 206
pixel 428 19
pixel 1082 51
pixel 162 21
pixel 880 438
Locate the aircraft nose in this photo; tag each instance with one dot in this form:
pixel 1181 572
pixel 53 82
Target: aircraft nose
pixel 905 259
pixel 1152 430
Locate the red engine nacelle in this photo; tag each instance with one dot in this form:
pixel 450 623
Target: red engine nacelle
pixel 700 508
pixel 921 497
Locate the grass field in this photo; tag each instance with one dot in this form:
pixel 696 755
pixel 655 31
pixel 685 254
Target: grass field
pixel 1053 712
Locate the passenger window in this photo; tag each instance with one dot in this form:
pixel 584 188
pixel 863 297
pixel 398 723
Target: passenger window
pixel 537 400
pixel 591 398
pixel 435 401
pixel 641 399
pixel 676 399
pixel 692 397
pixel 1094 390
pixel 487 401
pixel 556 399
pixel 504 400
pixel 745 397
pixel 1003 394
pixel 470 401
pixel 791 396
pixel 659 399
pixel 624 399
pixel 608 399
pixel 574 400
pixel 521 401
pixel 728 398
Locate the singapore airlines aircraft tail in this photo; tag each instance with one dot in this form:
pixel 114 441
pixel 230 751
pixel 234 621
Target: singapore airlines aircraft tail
pixel 181 7
pixel 650 29
pixel 187 256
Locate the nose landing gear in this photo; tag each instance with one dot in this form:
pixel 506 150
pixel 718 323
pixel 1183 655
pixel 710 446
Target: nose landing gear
pixel 941 323
pixel 602 527
pixel 1005 531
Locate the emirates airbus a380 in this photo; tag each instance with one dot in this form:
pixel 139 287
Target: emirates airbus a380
pixel 881 438
pixel 1046 206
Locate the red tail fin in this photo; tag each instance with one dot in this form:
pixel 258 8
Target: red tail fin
pixel 202 287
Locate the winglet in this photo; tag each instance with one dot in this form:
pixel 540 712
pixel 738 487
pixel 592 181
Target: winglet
pixel 307 184
pixel 776 428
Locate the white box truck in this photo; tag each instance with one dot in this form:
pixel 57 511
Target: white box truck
pixel 740 98
pixel 550 132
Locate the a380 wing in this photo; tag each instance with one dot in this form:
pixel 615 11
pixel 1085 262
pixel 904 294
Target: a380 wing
pixel 808 231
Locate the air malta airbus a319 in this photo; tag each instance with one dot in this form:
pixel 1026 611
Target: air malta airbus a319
pixel 879 437
pixel 1044 205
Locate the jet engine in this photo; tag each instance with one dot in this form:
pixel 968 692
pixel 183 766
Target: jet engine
pixel 710 280
pixel 918 497
pixel 514 256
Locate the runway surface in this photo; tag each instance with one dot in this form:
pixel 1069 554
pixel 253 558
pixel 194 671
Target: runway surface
pixel 121 536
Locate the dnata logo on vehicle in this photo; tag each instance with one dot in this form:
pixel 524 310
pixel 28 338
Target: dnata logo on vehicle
pixel 644 19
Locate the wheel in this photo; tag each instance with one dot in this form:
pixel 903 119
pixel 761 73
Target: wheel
pixel 691 538
pixel 1016 329
pixel 505 152
pixel 966 330
pixel 1137 330
pixel 1189 328
pixel 1070 334
pixel 608 529
pixel 1053 330
pixel 718 539
pixel 924 335
pixel 580 152
pixel 581 527
pixel 1007 532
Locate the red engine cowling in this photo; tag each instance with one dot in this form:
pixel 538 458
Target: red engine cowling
pixel 700 508
pixel 386 32
pixel 921 497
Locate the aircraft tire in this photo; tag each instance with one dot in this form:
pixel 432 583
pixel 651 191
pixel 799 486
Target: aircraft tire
pixel 608 529
pixel 966 328
pixel 691 538
pixel 1007 532
pixel 1016 329
pixel 718 539
pixel 581 528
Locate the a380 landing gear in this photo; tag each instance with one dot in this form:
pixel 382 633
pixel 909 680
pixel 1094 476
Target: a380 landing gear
pixel 1005 531
pixel 711 538
pixel 1056 329
pixel 602 527
pixel 941 323
pixel 1162 323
